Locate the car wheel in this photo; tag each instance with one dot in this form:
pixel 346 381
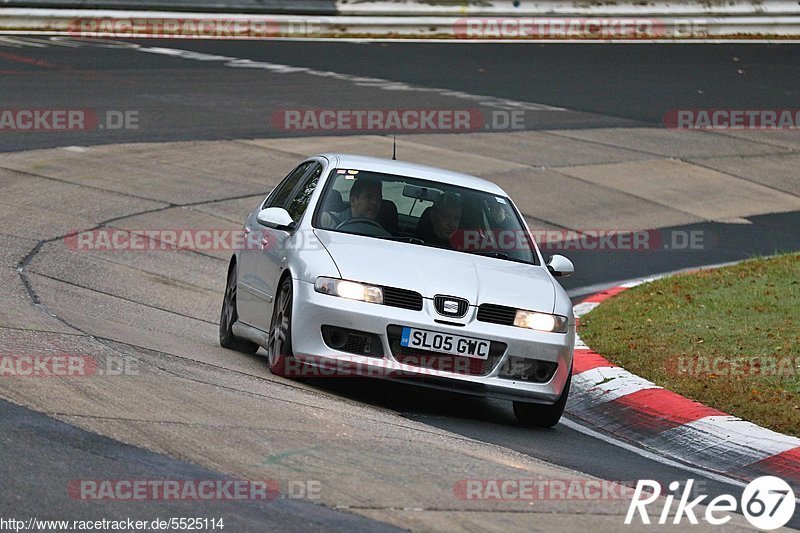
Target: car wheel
pixel 228 318
pixel 539 415
pixel 280 331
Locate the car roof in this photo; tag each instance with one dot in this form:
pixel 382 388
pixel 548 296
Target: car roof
pixel 412 170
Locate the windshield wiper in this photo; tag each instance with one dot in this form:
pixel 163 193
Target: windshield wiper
pixel 411 240
pixel 497 255
pixel 489 253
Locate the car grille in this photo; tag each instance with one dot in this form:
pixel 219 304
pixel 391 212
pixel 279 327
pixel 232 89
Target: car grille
pixel 526 369
pixel 497 314
pixel 351 341
pixel 355 344
pixel 461 310
pixel 402 298
pixel 469 366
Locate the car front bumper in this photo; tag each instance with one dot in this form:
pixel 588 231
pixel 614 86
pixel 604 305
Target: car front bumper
pixel 312 310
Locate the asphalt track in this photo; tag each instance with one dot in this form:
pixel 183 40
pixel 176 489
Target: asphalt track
pixel 601 85
pixel 182 100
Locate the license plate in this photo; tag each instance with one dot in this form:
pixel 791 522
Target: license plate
pixel 445 343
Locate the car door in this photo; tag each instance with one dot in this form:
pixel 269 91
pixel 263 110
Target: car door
pixel 276 244
pixel 253 294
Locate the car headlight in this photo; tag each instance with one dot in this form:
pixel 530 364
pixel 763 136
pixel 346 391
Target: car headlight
pixel 349 289
pixel 541 321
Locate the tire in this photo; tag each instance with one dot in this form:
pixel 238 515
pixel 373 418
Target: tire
pixel 539 415
pixel 279 348
pixel 228 317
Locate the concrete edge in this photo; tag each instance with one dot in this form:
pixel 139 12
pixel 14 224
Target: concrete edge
pixel 637 411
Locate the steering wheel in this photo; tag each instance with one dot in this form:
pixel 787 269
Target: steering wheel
pixel 360 220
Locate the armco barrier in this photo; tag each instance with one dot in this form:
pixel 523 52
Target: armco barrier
pixel 561 8
pixel 65 21
pixel 443 8
pixel 306 7
pixel 550 20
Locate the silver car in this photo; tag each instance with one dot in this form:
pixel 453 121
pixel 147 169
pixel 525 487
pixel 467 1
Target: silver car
pixel 376 267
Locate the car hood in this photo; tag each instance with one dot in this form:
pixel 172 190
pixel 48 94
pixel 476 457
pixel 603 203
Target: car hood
pixel 432 271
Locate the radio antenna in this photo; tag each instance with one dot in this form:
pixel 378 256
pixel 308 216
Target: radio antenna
pixel 394 147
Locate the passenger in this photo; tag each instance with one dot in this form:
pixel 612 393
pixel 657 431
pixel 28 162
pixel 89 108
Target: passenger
pixel 499 217
pixel 445 220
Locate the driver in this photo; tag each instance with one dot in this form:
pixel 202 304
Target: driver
pixel 365 202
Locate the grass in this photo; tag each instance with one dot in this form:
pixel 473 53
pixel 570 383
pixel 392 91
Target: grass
pixel 729 338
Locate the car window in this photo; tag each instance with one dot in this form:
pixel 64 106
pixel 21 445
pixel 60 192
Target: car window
pixel 299 202
pixel 424 212
pixel 281 193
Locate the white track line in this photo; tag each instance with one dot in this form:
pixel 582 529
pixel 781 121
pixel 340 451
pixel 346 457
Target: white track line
pixel 363 81
pixel 650 455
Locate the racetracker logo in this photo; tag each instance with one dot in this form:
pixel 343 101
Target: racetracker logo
pixel 194 28
pixel 356 366
pixel 49 366
pixel 38 366
pixel 541 490
pixel 558 28
pixel 192 239
pixel 147 240
pixel 66 120
pixel 581 240
pixel 379 120
pixel 732 119
pixel 173 489
pixel 733 366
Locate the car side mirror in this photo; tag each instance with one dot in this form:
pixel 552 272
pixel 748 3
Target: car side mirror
pixel 275 217
pixel 558 265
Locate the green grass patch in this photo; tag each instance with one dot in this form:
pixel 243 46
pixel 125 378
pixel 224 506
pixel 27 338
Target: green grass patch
pixel 729 337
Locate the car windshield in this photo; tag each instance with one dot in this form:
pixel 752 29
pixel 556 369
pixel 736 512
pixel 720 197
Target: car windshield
pixel 425 213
